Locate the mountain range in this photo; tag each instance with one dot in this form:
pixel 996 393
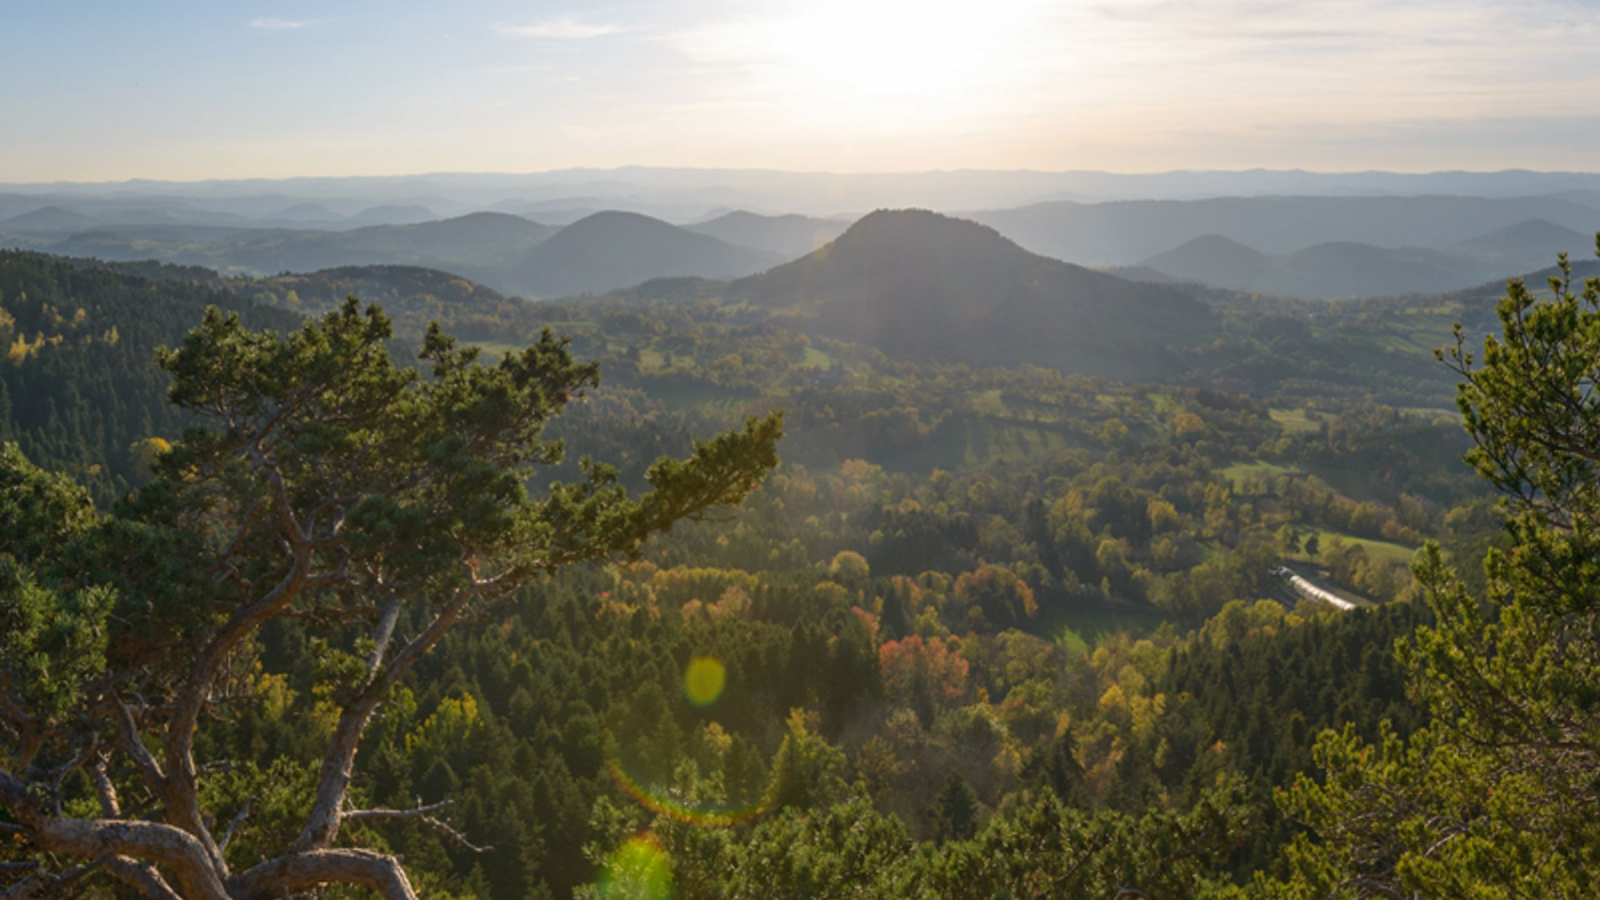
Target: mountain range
pixel 689 195
pixel 1349 269
pixel 601 252
pixel 1130 232
pixel 1309 247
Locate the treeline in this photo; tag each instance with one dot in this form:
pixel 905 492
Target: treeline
pixel 79 390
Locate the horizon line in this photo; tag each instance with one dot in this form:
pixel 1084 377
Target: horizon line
pixel 805 172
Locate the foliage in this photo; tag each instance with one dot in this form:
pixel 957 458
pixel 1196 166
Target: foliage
pixel 339 490
pixel 954 579
pixel 1496 797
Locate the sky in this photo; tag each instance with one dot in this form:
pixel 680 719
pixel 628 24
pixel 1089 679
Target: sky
pixel 96 90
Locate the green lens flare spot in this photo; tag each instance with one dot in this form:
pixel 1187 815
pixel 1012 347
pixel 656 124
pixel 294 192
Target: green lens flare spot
pixel 638 870
pixel 703 680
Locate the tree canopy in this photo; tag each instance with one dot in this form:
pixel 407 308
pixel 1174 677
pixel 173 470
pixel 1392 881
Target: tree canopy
pixel 375 505
pixel 1500 795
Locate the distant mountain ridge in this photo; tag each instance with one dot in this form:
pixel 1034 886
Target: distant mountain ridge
pixel 601 252
pixel 48 218
pixel 1528 238
pixel 1127 233
pixel 611 250
pixel 1352 269
pixel 685 194
pixel 392 214
pixel 787 236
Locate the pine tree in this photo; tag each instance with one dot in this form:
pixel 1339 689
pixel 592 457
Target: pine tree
pixel 955 810
pixel 371 506
pixel 1498 796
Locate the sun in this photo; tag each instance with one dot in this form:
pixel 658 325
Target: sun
pixel 890 48
pixel 919 57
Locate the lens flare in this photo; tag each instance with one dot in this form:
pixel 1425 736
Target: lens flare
pixel 638 870
pixel 703 680
pixel 664 803
pixel 628 745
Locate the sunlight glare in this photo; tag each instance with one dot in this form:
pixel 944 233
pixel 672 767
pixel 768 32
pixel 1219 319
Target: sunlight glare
pixel 926 53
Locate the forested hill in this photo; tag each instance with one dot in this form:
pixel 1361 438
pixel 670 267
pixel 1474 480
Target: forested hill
pixel 611 250
pixel 923 285
pixel 411 295
pixel 78 389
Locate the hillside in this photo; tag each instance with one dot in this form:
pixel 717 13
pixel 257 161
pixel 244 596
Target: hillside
pixel 79 386
pixel 787 236
pixel 1353 269
pixel 602 252
pixel 463 245
pixel 49 218
pixel 1529 243
pixel 392 214
pixel 611 250
pixel 923 285
pixel 464 242
pixel 413 297
pixel 305 212
pixel 1125 233
pixel 1212 259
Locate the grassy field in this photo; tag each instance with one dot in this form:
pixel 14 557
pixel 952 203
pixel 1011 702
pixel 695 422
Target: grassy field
pixel 988 403
pixel 1239 473
pixel 651 359
pixel 1163 404
pixel 1083 629
pixel 698 396
pixel 983 442
pixel 1293 420
pixel 1432 412
pixel 1386 550
pixel 988 443
pixel 816 359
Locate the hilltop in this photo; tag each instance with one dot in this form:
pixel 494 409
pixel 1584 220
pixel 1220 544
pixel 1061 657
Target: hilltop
pixel 610 250
pixel 924 285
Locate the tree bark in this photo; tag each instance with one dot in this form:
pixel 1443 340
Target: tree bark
pixel 167 845
pixel 295 872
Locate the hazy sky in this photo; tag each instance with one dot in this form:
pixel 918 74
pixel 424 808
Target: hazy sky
pixel 96 90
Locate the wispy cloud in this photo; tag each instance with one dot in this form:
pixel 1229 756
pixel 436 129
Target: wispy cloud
pixel 560 28
pixel 272 24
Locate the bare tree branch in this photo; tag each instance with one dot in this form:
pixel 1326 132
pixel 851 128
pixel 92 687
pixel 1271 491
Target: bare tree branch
pixel 322 825
pixel 168 845
pixel 142 877
pixel 233 826
pixel 109 807
pixel 421 813
pixel 296 872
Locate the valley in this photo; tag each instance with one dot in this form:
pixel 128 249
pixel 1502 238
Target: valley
pixel 1034 536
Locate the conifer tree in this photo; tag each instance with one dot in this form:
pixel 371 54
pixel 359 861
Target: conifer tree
pixel 376 507
pixel 1500 795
